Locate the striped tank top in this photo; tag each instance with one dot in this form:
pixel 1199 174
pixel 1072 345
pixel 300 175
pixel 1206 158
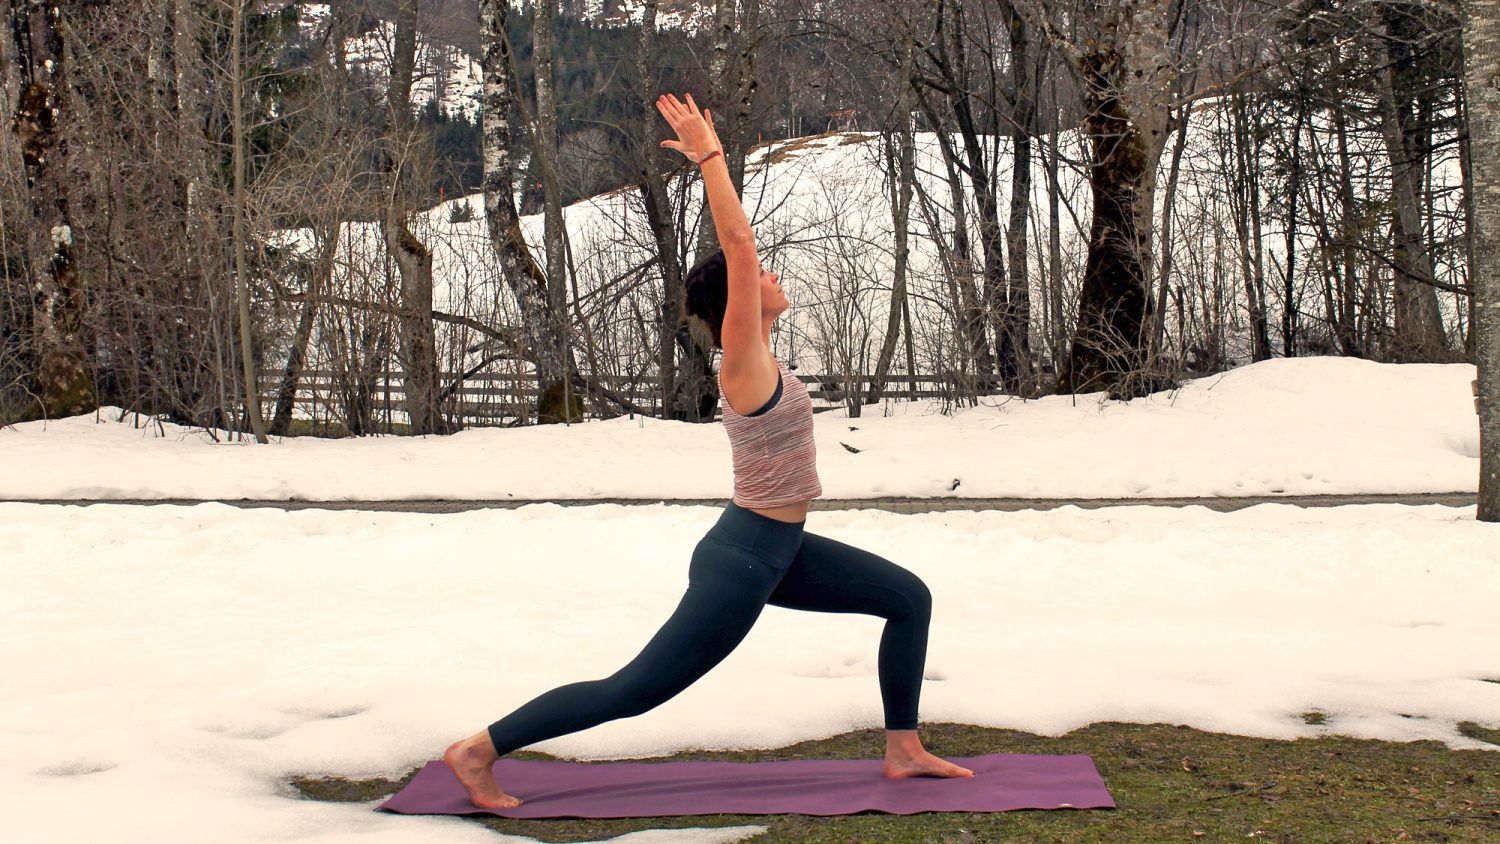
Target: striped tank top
pixel 775 460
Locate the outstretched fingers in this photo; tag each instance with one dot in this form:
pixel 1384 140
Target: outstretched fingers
pixel 708 118
pixel 666 106
pixel 674 109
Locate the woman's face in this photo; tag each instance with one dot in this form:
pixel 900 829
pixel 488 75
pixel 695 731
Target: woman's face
pixel 773 300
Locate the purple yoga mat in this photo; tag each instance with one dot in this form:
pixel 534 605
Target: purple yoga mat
pixel 1002 782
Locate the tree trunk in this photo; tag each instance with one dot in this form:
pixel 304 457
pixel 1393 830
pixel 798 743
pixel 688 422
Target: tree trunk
pixel 1466 187
pixel 1418 325
pixel 720 75
pixel 1290 302
pixel 1058 336
pixel 250 384
pixel 658 209
pixel 1164 275
pixel 903 175
pixel 418 344
pixel 556 403
pixel 745 84
pixel 983 308
pixel 695 394
pixel 335 184
pixel 64 382
pixel 197 351
pixel 968 308
pixel 545 347
pixel 1482 75
pixel 1125 121
pixel 1015 346
pixel 291 374
pixel 1245 200
pixel 1344 320
pixel 958 261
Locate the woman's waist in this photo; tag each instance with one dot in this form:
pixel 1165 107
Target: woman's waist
pixel 757 531
pixel 795 513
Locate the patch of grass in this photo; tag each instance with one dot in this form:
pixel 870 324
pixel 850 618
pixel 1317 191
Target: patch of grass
pixel 784 150
pixel 1475 731
pixel 1171 784
pixel 337 430
pixel 1315 718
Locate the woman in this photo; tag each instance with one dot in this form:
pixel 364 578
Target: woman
pixel 758 552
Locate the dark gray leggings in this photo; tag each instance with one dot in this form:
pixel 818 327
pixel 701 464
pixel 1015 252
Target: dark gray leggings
pixel 745 562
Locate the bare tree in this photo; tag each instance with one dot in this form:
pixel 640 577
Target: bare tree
pixel 900 157
pixel 671 331
pixel 1014 350
pixel 322 177
pixel 960 93
pixel 1405 100
pixel 557 402
pixel 248 368
pixel 413 258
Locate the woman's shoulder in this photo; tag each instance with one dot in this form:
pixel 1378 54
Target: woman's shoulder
pixel 749 383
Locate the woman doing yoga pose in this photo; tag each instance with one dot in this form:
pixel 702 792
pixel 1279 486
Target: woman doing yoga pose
pixel 757 553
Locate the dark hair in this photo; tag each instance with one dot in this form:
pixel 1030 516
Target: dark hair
pixel 705 293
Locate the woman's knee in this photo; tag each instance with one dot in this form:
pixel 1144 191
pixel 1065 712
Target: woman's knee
pixel 912 599
pixel 920 598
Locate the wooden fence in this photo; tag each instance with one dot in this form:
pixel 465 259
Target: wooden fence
pixel 497 399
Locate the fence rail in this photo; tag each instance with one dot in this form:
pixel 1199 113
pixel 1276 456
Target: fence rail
pixel 487 399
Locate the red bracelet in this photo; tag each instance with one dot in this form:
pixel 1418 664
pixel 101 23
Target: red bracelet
pixel 705 158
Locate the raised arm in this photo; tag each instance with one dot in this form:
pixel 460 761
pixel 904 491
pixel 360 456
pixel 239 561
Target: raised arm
pixel 747 367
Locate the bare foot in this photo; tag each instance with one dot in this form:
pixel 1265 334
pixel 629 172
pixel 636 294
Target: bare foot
pixel 921 764
pixel 470 761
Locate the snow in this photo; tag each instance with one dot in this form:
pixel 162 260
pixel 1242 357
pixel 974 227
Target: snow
pixel 1300 426
pixel 171 666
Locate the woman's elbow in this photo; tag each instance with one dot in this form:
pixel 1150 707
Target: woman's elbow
pixel 738 238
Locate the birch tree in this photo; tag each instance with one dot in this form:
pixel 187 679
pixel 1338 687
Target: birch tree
pixel 545 345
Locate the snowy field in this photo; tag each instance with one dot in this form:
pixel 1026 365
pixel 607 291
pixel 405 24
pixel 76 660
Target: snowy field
pixel 1305 426
pixel 169 667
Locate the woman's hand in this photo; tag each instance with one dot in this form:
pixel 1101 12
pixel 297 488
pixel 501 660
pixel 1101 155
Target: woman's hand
pixel 696 138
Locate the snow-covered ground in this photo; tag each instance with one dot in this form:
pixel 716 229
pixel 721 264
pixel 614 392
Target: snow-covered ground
pixel 1303 426
pixel 168 667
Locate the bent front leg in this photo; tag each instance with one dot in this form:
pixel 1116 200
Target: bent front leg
pixel 829 576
